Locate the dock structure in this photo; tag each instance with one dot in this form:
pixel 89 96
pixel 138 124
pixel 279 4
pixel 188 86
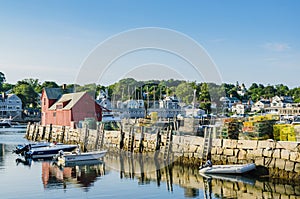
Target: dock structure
pixel 280 158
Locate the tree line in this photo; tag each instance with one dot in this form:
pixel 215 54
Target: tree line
pixel 200 94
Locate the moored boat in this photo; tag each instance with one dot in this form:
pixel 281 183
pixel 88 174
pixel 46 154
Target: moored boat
pixel 5 123
pixel 21 148
pixel 228 169
pixel 49 151
pixel 63 157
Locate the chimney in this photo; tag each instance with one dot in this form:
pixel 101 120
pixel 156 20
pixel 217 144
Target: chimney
pixel 64 86
pixel 3 96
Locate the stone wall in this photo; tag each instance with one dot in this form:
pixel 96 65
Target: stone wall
pixel 281 159
pixel 147 169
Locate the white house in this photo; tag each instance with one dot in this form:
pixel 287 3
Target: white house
pixel 239 108
pixel 228 102
pixel 10 106
pixel 260 105
pixel 281 101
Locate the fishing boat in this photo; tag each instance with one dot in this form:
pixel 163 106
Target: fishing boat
pixel 228 169
pixel 49 151
pixel 63 157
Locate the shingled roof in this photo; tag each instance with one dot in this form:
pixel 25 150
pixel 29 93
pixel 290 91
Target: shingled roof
pixel 53 93
pixel 71 100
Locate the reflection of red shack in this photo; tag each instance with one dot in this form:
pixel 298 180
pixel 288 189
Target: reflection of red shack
pixel 49 172
pixel 85 175
pixel 68 109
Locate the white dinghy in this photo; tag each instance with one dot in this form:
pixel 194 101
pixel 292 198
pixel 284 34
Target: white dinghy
pixel 63 157
pixel 228 169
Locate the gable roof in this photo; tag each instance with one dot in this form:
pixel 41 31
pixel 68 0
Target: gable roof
pixel 71 99
pixel 53 93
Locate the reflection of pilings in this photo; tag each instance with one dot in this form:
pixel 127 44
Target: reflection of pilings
pixel 207 188
pixel 157 166
pixel 141 162
pixel 169 177
pixel 131 166
pixel 122 170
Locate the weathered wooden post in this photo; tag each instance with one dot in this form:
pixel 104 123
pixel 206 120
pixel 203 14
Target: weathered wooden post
pixel 63 134
pixel 27 130
pixel 86 134
pixel 33 132
pixel 37 133
pixel 158 140
pixel 122 135
pixel 141 147
pixel 43 133
pixel 50 133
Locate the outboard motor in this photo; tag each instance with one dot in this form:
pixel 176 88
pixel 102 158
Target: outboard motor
pixel 22 149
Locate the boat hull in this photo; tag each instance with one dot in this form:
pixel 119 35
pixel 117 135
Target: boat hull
pixel 228 169
pixel 49 152
pixel 84 156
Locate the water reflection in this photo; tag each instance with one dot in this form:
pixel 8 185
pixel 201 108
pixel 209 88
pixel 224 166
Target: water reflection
pixel 146 170
pixel 83 174
pixel 2 152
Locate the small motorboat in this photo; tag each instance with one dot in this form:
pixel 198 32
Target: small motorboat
pixel 49 151
pixel 21 148
pixel 63 158
pixel 228 169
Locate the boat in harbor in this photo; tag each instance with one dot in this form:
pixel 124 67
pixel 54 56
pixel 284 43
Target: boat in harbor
pixel 22 148
pixel 5 123
pixel 49 151
pixel 73 157
pixel 228 169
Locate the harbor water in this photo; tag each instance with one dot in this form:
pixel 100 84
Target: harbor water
pixel 103 179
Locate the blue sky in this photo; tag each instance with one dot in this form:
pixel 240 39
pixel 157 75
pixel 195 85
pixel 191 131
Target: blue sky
pixel 249 41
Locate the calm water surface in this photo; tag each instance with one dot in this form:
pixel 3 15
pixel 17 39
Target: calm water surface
pixel 135 179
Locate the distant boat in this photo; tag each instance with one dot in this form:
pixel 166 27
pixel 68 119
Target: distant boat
pixel 228 169
pixel 5 123
pixel 49 151
pixel 64 158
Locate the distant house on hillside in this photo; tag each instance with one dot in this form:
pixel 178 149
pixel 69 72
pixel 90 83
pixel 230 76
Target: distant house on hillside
pixel 10 106
pixel 282 101
pixel 260 105
pixel 228 102
pixel 68 109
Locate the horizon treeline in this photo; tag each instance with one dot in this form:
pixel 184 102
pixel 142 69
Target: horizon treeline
pixel 201 94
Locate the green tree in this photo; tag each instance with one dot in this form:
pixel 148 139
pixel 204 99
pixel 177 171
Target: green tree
pixel 26 93
pixel 39 87
pixel 2 80
pixel 204 98
pixel 185 92
pixel 281 90
pixel 6 87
